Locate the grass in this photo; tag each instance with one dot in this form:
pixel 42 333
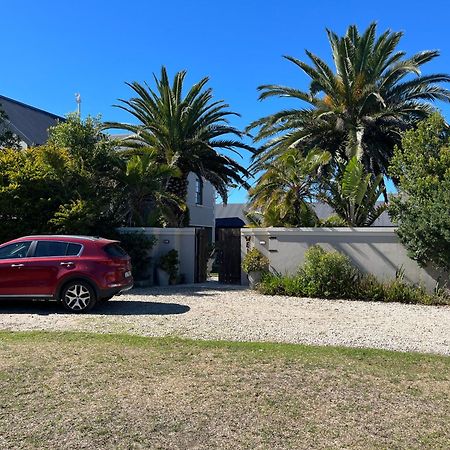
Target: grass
pixel 74 390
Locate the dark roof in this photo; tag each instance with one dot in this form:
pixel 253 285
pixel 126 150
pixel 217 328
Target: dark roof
pixel 229 222
pixel 29 123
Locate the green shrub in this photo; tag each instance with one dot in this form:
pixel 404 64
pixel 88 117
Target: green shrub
pixel 272 284
pixel 328 274
pixel 369 288
pixel 255 261
pixel 138 246
pixel 331 275
pixel 333 221
pixel 170 264
pixel 399 291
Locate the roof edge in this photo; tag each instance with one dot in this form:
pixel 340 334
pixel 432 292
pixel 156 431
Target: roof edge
pixel 25 105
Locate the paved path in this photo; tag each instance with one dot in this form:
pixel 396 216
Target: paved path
pixel 214 312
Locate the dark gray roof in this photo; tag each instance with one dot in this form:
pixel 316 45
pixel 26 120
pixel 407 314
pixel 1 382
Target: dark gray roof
pixel 236 210
pixel 29 123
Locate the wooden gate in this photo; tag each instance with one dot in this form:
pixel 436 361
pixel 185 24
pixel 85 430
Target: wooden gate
pixel 228 245
pixel 202 244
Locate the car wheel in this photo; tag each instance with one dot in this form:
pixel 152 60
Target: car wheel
pixel 78 296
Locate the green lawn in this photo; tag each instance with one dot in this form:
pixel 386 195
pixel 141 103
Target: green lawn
pixel 73 391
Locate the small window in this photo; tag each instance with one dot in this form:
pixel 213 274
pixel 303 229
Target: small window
pixel 50 248
pixel 73 249
pixel 114 250
pixel 13 251
pixel 199 191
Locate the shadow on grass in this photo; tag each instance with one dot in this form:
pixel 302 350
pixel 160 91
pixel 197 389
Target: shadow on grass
pixel 112 308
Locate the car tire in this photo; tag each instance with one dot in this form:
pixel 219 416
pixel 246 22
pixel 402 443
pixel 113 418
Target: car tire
pixel 78 296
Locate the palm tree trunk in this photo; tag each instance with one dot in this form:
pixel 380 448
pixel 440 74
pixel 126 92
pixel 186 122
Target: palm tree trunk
pixel 179 186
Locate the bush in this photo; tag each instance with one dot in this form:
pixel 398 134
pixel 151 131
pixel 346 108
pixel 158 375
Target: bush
pixel 331 275
pixel 369 288
pixel 421 167
pixel 138 246
pixel 255 261
pixel 399 291
pixel 170 264
pixel 333 221
pixel 328 274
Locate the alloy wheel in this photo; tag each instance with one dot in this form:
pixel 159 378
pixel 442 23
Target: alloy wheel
pixel 77 297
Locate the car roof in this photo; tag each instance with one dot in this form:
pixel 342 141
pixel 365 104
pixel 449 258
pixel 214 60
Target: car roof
pixel 52 237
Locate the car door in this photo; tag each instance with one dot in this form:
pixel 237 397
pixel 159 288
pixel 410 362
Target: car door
pixel 15 264
pixel 51 259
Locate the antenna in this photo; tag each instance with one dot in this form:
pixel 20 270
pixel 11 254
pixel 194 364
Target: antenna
pixel 78 100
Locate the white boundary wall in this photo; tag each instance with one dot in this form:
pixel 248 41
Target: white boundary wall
pixel 372 250
pixel 180 239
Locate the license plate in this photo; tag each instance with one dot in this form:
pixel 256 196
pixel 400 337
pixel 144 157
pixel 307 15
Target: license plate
pixel 127 274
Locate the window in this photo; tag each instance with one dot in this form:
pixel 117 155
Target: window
pixel 50 248
pixel 73 249
pixel 13 251
pixel 114 250
pixel 56 248
pixel 199 191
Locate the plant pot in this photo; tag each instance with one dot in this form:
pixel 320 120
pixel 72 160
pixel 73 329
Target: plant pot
pixel 163 277
pixel 254 278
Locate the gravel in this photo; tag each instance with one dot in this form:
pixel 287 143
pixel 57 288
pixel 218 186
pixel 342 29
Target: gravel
pixel 217 312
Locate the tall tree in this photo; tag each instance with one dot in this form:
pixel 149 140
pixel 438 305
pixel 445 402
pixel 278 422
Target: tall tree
pixel 353 194
pixel 187 130
pixel 283 193
pixel 359 107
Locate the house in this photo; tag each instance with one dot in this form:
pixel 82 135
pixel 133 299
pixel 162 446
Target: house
pixel 233 215
pixel 28 123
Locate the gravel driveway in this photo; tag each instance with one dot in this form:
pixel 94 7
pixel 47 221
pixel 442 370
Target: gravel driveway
pixel 233 313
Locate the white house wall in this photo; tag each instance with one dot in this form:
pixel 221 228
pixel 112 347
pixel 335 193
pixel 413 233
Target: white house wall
pixel 201 215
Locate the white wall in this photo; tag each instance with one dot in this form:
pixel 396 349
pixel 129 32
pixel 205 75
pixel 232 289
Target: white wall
pixel 201 215
pixel 372 250
pixel 180 239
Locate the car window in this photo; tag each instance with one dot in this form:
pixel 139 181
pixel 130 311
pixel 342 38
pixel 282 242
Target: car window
pixel 114 250
pixel 16 250
pixel 50 248
pixel 73 249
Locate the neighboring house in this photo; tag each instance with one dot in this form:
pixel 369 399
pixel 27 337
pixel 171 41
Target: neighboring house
pixel 30 124
pixel 233 215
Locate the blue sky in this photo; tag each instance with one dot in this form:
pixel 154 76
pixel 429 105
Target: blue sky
pixel 52 49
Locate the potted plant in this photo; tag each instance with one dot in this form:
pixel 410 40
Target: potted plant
pixel 168 268
pixel 254 265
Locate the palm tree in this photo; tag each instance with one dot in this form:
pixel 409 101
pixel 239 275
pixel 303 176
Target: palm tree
pixel 353 195
pixel 188 131
pixel 147 200
pixel 359 107
pixel 282 195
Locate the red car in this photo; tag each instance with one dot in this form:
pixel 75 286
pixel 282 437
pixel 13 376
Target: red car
pixel 77 270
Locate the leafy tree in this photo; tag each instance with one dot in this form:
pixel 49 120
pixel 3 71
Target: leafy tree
pixel 359 107
pixel 61 187
pixel 353 195
pixel 7 138
pixel 283 193
pixel 185 130
pixel 422 208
